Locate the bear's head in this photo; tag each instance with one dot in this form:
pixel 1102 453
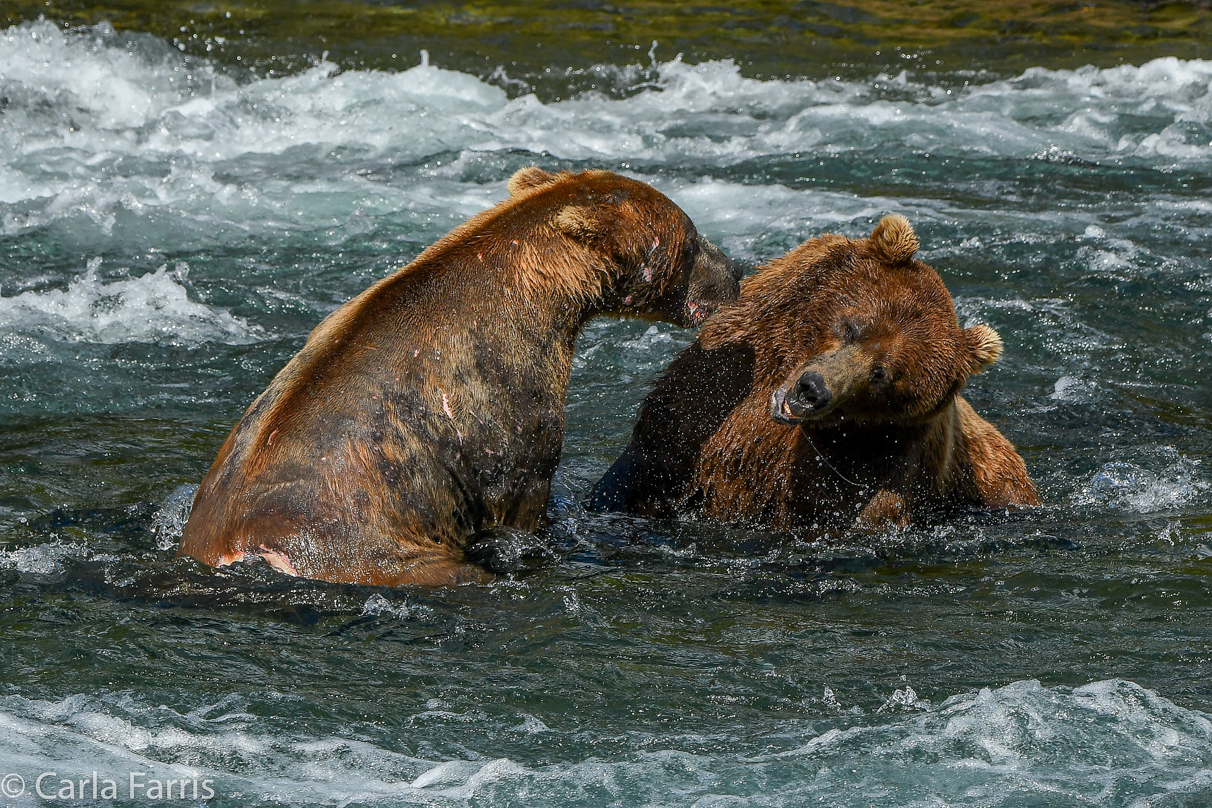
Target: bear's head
pixel 856 331
pixel 879 340
pixel 654 263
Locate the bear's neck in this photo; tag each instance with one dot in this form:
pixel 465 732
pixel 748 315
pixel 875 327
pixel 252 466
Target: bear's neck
pixel 899 457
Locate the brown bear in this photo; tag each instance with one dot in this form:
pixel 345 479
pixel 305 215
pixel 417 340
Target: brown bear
pixel 827 398
pixel 429 410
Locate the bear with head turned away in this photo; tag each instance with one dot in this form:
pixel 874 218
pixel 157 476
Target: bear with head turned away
pixel 426 415
pixel 826 398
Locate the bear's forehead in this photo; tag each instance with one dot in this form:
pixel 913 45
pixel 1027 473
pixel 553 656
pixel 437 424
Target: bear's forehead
pixel 876 287
pixel 872 306
pixel 866 271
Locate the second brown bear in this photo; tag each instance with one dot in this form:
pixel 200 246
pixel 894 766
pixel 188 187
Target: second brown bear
pixel 828 397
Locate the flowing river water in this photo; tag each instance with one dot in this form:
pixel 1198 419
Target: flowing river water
pixel 172 227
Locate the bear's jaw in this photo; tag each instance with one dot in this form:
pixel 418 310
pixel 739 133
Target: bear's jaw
pixel 697 313
pixel 779 410
pixel 714 281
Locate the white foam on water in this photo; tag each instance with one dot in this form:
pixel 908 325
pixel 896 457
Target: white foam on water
pixel 149 308
pixel 1126 486
pixel 192 140
pixel 40 559
pixel 615 346
pixel 1072 389
pixel 1113 257
pixel 740 217
pixel 116 736
pixel 1107 743
pixel 1110 743
pixel 904 699
pixel 379 606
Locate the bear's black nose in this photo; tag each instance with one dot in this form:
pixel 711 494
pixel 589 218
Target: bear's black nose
pixel 809 394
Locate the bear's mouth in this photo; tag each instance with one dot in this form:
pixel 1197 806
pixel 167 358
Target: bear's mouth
pixel 779 410
pixel 785 408
pixel 697 313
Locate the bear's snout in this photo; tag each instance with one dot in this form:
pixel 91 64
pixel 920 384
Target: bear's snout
pixel 734 268
pixel 715 280
pixel 806 397
pixel 713 260
pixel 809 394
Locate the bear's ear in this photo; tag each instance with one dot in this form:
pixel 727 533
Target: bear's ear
pixel 984 347
pixel 894 239
pixel 583 222
pixel 531 177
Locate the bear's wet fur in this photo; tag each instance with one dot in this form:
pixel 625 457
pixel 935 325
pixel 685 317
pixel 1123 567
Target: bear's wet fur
pixel 430 408
pixel 826 398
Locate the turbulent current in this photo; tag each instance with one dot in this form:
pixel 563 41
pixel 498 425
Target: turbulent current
pixel 171 229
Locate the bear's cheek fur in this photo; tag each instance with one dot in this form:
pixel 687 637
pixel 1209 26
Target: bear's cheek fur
pixel 654 278
pixel 677 276
pixel 916 393
pixel 677 298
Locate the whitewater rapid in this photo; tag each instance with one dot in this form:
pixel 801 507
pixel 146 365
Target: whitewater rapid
pixel 1105 743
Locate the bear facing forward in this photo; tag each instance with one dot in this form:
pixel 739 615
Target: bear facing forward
pixel 827 397
pixel 428 412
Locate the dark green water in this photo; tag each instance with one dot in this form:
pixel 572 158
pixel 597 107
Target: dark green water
pixel 171 229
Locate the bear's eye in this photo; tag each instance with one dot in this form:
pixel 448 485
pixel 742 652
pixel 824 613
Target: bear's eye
pixel 878 374
pixel 851 332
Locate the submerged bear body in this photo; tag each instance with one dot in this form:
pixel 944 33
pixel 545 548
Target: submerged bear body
pixel 430 408
pixel 827 398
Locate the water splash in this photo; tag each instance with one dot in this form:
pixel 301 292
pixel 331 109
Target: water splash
pixel 170 518
pixel 41 559
pixel 150 308
pixel 1126 486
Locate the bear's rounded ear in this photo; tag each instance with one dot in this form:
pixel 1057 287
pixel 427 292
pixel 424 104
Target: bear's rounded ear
pixel 582 222
pixel 525 179
pixel 984 347
pixel 893 238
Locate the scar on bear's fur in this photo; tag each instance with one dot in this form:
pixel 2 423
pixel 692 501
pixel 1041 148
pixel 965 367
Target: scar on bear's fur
pixel 429 410
pixel 826 397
